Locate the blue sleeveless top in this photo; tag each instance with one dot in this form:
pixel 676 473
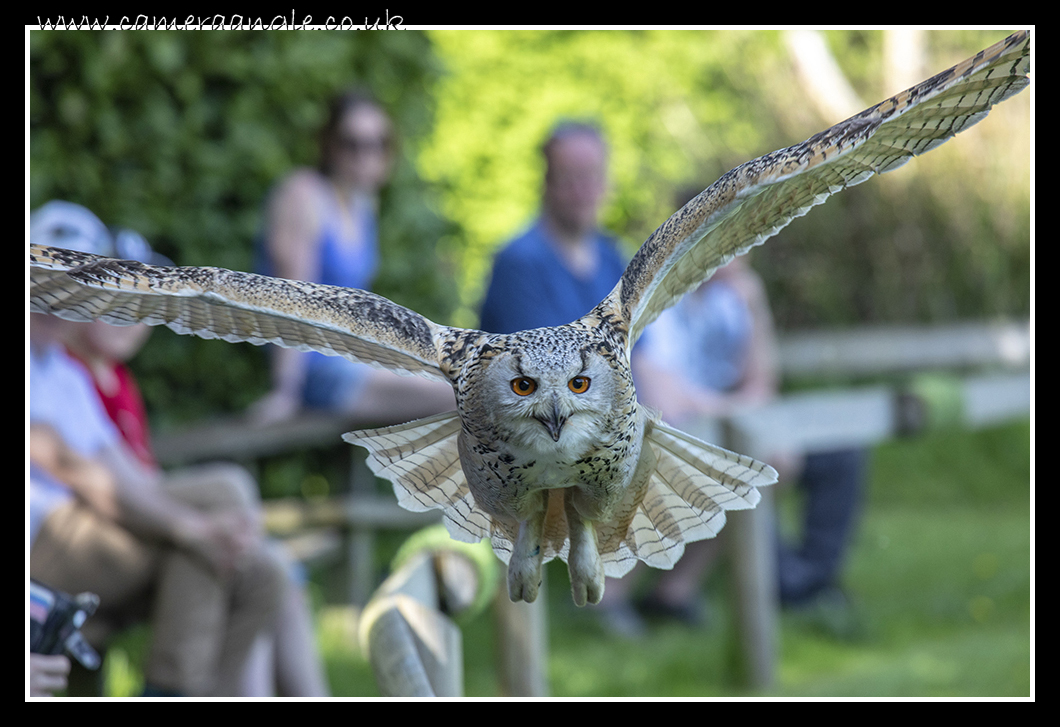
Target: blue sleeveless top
pixel 346 260
pixel 349 261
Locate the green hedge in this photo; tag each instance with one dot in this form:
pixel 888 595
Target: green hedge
pixel 181 135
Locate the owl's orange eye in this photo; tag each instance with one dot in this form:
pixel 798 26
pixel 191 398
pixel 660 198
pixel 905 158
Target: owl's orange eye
pixel 523 386
pixel 579 384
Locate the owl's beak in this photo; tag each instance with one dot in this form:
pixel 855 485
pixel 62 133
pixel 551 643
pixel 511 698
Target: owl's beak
pixel 554 421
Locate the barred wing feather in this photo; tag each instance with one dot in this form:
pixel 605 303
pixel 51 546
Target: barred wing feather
pixel 754 201
pixel 235 306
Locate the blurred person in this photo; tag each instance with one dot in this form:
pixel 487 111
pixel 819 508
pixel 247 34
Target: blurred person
pixel 710 355
pixel 321 226
pixel 285 659
pixel 563 265
pixel 714 351
pixel 186 558
pixel 183 553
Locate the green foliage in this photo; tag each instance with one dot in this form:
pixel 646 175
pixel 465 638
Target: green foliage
pixel 181 135
pixel 659 97
pixel 945 238
pixel 951 467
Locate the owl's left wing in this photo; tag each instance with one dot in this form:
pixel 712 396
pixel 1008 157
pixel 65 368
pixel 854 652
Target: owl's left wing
pixel 235 306
pixel 422 461
pixel 754 201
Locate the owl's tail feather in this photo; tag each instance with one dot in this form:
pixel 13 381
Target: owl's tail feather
pixel 688 490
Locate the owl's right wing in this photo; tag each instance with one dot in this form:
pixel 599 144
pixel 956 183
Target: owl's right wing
pixel 754 201
pixel 235 306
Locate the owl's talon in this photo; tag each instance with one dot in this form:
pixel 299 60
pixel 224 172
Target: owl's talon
pixel 524 577
pixel 586 592
pixel 590 591
pixel 523 586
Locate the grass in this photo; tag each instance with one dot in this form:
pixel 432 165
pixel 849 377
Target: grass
pixel 939 573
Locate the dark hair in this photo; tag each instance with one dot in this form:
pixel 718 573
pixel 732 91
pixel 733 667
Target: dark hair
pixel 341 105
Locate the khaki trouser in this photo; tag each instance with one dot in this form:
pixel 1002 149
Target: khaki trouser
pixel 202 625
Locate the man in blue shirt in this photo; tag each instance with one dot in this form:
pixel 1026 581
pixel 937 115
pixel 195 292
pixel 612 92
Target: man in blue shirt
pixel 560 268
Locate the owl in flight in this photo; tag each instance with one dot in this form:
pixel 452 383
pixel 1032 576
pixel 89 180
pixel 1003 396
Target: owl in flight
pixel 549 454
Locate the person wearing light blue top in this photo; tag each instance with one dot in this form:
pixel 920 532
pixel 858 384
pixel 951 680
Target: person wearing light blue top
pixel 710 332
pixel 711 354
pixel 183 552
pixel 196 570
pixel 61 397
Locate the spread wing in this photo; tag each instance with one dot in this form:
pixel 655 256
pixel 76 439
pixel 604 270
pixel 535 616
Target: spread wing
pixel 754 201
pixel 234 306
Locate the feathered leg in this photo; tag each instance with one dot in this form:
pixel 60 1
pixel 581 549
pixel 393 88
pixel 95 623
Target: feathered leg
pixel 524 567
pixel 583 561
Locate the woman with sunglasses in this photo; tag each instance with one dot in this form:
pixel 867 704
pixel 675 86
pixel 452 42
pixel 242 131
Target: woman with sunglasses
pixel 321 226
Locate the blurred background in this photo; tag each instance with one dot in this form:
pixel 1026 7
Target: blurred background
pixel 181 135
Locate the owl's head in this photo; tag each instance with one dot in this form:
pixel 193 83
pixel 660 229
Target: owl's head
pixel 550 395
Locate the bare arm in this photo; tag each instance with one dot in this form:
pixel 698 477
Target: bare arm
pixel 679 398
pixel 220 537
pixel 119 488
pixel 86 478
pixel 293 224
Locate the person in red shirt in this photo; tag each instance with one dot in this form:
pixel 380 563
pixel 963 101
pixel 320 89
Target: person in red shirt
pixel 104 349
pixel 286 661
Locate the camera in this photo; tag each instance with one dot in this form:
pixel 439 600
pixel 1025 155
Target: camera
pixel 55 619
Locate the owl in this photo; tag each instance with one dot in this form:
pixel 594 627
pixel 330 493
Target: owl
pixel 549 454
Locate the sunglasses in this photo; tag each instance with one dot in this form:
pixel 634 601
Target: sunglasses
pixel 355 145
